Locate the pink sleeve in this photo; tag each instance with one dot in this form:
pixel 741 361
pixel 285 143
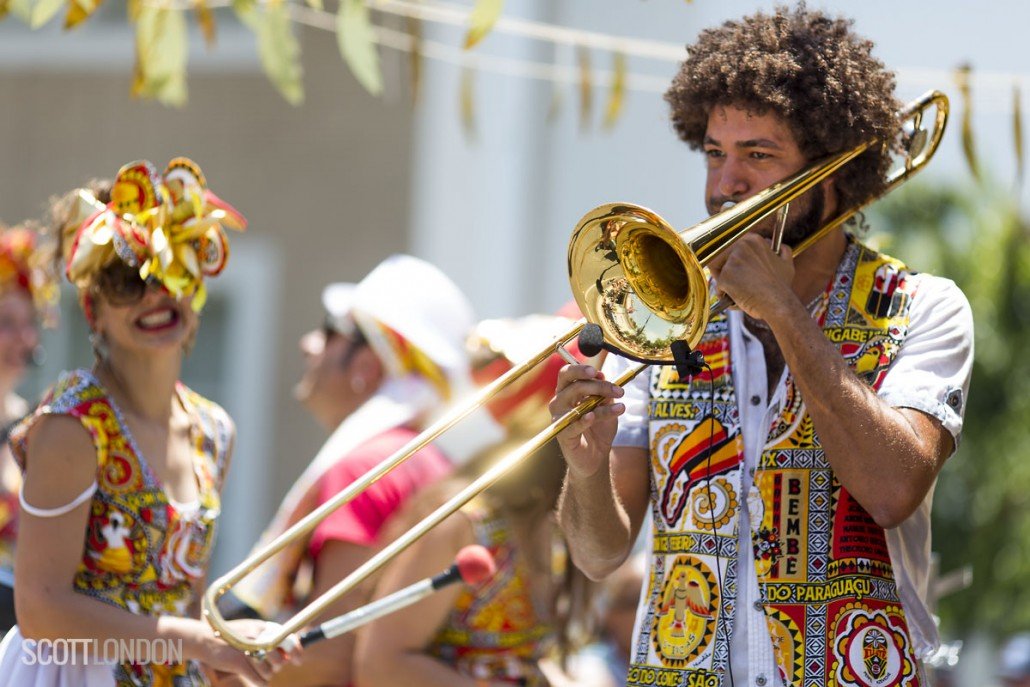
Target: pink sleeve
pixel 360 521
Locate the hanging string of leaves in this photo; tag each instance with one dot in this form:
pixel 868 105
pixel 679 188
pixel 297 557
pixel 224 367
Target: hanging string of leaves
pixel 468 102
pixel 280 51
pixel 484 15
pixel 356 40
pixel 962 79
pixel 206 20
pixel 35 13
pixel 415 59
pixel 617 93
pixel 162 51
pixel 586 88
pixel 1017 134
pixel 162 39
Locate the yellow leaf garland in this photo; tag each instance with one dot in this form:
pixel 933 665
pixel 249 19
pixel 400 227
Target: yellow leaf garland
pixel 586 88
pixel 1017 133
pixel 356 40
pixel 162 51
pixel 617 95
pixel 206 20
pixel 468 102
pixel 415 58
pixel 280 52
pixel 481 21
pixel 962 74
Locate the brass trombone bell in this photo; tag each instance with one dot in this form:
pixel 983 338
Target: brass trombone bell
pixel 645 284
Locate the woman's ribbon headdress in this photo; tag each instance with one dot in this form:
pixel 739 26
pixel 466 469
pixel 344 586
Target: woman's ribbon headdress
pixel 25 264
pixel 168 226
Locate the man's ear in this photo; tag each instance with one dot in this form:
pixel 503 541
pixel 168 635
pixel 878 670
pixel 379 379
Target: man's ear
pixel 366 363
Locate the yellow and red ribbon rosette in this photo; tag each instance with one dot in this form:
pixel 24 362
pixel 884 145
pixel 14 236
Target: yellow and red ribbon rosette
pixel 25 265
pixel 169 226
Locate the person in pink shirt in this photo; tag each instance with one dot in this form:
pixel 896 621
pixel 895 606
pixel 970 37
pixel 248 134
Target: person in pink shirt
pixel 389 357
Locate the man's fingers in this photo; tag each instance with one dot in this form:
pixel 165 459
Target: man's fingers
pixel 289 651
pixel 572 395
pixel 262 670
pixel 249 671
pixel 574 373
pixel 600 413
pixel 277 658
pixel 717 263
pixel 575 430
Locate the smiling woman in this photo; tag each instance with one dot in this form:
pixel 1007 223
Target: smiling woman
pixel 125 452
pixel 137 313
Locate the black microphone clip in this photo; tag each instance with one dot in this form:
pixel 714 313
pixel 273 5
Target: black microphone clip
pixel 688 363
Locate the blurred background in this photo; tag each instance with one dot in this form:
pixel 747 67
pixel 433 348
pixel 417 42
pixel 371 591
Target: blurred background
pixel 487 174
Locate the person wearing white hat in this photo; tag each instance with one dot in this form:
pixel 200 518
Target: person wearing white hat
pixel 532 607
pixel 390 356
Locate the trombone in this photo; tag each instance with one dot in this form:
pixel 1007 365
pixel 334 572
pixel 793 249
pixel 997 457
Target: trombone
pixel 645 286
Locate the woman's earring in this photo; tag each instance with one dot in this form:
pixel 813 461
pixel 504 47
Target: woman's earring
pixel 99 343
pixel 191 340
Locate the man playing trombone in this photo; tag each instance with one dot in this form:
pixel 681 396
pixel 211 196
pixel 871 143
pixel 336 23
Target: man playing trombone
pixel 789 482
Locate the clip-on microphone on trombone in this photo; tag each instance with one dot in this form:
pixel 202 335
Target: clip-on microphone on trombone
pixel 472 565
pixel 591 342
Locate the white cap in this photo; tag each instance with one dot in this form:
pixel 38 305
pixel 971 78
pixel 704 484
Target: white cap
pixel 338 300
pixel 420 304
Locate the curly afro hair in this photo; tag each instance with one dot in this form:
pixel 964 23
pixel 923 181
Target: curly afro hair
pixel 809 69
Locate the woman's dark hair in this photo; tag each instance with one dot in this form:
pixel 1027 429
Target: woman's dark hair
pixel 809 69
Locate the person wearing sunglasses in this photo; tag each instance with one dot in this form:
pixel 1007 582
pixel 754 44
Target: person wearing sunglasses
pixel 123 464
pixel 517 626
pixel 388 358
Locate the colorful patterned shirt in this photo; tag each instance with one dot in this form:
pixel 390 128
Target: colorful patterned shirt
pixel 496 631
pixel 141 554
pixel 766 491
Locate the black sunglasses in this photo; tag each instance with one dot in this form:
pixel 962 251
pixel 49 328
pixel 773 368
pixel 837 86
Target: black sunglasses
pixel 356 338
pixel 121 284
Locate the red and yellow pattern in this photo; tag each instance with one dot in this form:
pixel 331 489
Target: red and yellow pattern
pixel 823 568
pixel 495 632
pixel 168 225
pixel 25 265
pixel 141 554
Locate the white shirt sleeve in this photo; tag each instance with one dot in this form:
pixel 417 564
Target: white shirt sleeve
pixel 633 423
pixel 931 371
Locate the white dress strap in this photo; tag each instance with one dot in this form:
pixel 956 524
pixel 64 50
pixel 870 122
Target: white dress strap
pixel 60 510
